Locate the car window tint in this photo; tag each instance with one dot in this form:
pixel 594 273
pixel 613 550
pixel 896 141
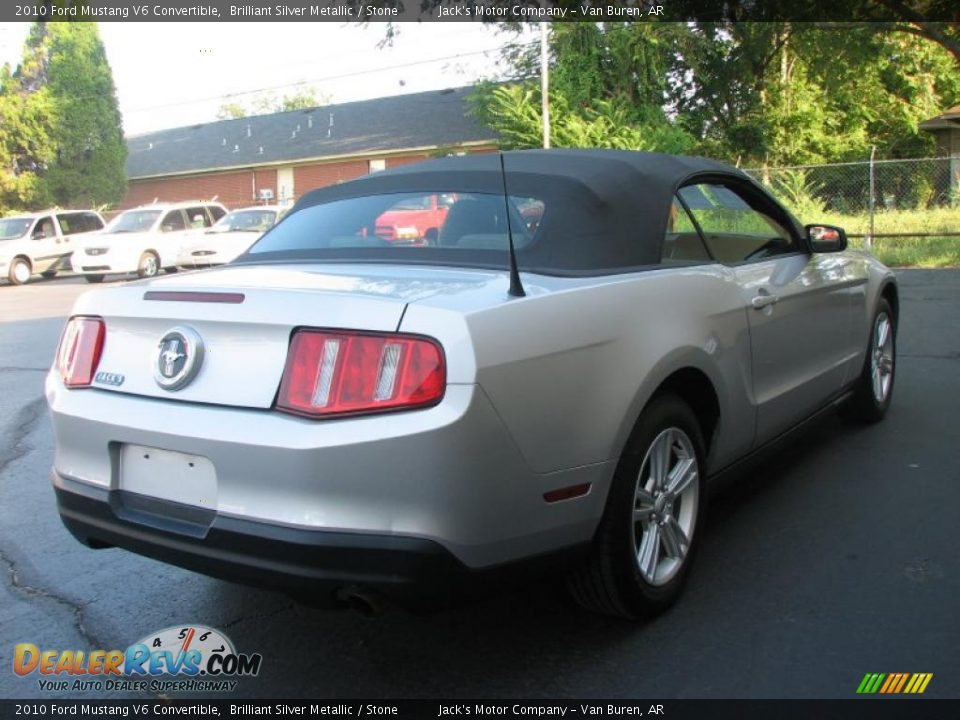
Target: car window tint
pixel 198 218
pixel 172 221
pixel 216 212
pixel 406 222
pixel 682 243
pixel 93 221
pixel 78 222
pixel 734 228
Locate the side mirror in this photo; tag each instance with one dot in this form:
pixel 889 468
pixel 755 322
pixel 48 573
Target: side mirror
pixel 826 238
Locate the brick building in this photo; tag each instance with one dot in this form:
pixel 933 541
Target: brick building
pixel 279 157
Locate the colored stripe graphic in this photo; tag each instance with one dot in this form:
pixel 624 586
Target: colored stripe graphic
pixel 894 683
pixel 870 683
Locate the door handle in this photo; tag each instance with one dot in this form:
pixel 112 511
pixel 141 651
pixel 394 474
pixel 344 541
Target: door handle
pixel 764 299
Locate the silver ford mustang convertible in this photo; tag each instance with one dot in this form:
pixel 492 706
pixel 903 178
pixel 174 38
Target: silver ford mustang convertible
pixel 576 345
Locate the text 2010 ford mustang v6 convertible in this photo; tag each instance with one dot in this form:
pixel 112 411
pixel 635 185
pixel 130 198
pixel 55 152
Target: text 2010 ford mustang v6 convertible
pixel 338 411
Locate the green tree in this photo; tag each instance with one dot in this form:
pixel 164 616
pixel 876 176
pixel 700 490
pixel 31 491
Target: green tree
pixel 792 93
pixel 606 90
pixel 265 103
pixel 753 93
pixel 25 146
pixel 62 137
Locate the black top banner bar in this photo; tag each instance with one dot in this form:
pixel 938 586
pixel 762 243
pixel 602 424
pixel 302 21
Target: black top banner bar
pixel 855 709
pixel 947 11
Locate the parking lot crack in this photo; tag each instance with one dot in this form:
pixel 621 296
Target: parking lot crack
pixel 26 419
pixel 32 592
pixel 13 450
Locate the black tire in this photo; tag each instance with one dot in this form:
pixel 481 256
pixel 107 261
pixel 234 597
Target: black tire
pixel 171 270
pixel 149 265
pixel 49 273
pixel 15 265
pixel 94 278
pixel 609 580
pixel 865 405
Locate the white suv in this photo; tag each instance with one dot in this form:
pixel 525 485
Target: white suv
pixel 144 240
pixel 42 242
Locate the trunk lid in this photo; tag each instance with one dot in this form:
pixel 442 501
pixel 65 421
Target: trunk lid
pixel 245 340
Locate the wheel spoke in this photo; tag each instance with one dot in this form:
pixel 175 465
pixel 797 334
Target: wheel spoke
pixel 683 473
pixel 878 384
pixel 883 332
pixel 642 515
pixel 649 554
pixel 660 459
pixel 642 505
pixel 675 541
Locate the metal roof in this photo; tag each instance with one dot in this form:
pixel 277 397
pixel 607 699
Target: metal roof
pixel 947 120
pixel 432 119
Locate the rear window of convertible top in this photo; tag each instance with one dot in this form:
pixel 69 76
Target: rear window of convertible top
pixel 450 227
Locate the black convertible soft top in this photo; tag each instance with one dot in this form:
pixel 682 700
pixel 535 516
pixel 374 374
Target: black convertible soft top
pixel 605 210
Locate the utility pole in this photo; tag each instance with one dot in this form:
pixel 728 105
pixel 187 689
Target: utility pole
pixel 873 204
pixel 545 79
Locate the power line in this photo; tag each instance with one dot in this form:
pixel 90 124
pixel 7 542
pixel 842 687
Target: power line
pixel 326 78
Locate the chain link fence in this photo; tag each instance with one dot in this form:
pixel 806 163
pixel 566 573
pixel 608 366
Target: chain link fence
pixel 880 199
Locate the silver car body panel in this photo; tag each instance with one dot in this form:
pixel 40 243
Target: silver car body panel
pixel 542 391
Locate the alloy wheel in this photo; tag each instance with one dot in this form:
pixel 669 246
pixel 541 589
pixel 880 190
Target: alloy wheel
pixel 149 266
pixel 881 358
pixel 665 506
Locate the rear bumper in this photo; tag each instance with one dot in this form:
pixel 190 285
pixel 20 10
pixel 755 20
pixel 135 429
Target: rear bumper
pixel 449 475
pixel 256 553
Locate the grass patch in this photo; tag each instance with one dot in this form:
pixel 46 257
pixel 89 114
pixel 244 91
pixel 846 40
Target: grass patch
pixel 922 252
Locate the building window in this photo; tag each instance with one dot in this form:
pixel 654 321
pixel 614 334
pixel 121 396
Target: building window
pixel 377 165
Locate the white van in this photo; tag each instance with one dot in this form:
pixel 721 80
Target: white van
pixel 144 240
pixel 42 242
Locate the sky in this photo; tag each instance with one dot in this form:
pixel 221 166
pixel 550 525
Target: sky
pixel 174 73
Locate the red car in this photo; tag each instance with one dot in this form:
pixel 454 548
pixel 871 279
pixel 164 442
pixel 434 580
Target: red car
pixel 415 220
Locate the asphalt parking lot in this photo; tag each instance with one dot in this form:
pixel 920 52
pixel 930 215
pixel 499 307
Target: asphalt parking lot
pixel 835 558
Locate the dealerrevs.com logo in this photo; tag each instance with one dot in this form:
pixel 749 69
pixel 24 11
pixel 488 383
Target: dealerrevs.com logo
pixel 181 658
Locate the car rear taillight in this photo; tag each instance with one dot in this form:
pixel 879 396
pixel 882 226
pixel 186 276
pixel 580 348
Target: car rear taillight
pixel 80 350
pixel 338 372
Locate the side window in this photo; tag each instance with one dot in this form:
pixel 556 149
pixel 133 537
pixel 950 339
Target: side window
pixel 78 222
pixel 173 221
pixel 682 243
pixel 216 212
pixel 44 229
pixel 735 229
pixel 197 217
